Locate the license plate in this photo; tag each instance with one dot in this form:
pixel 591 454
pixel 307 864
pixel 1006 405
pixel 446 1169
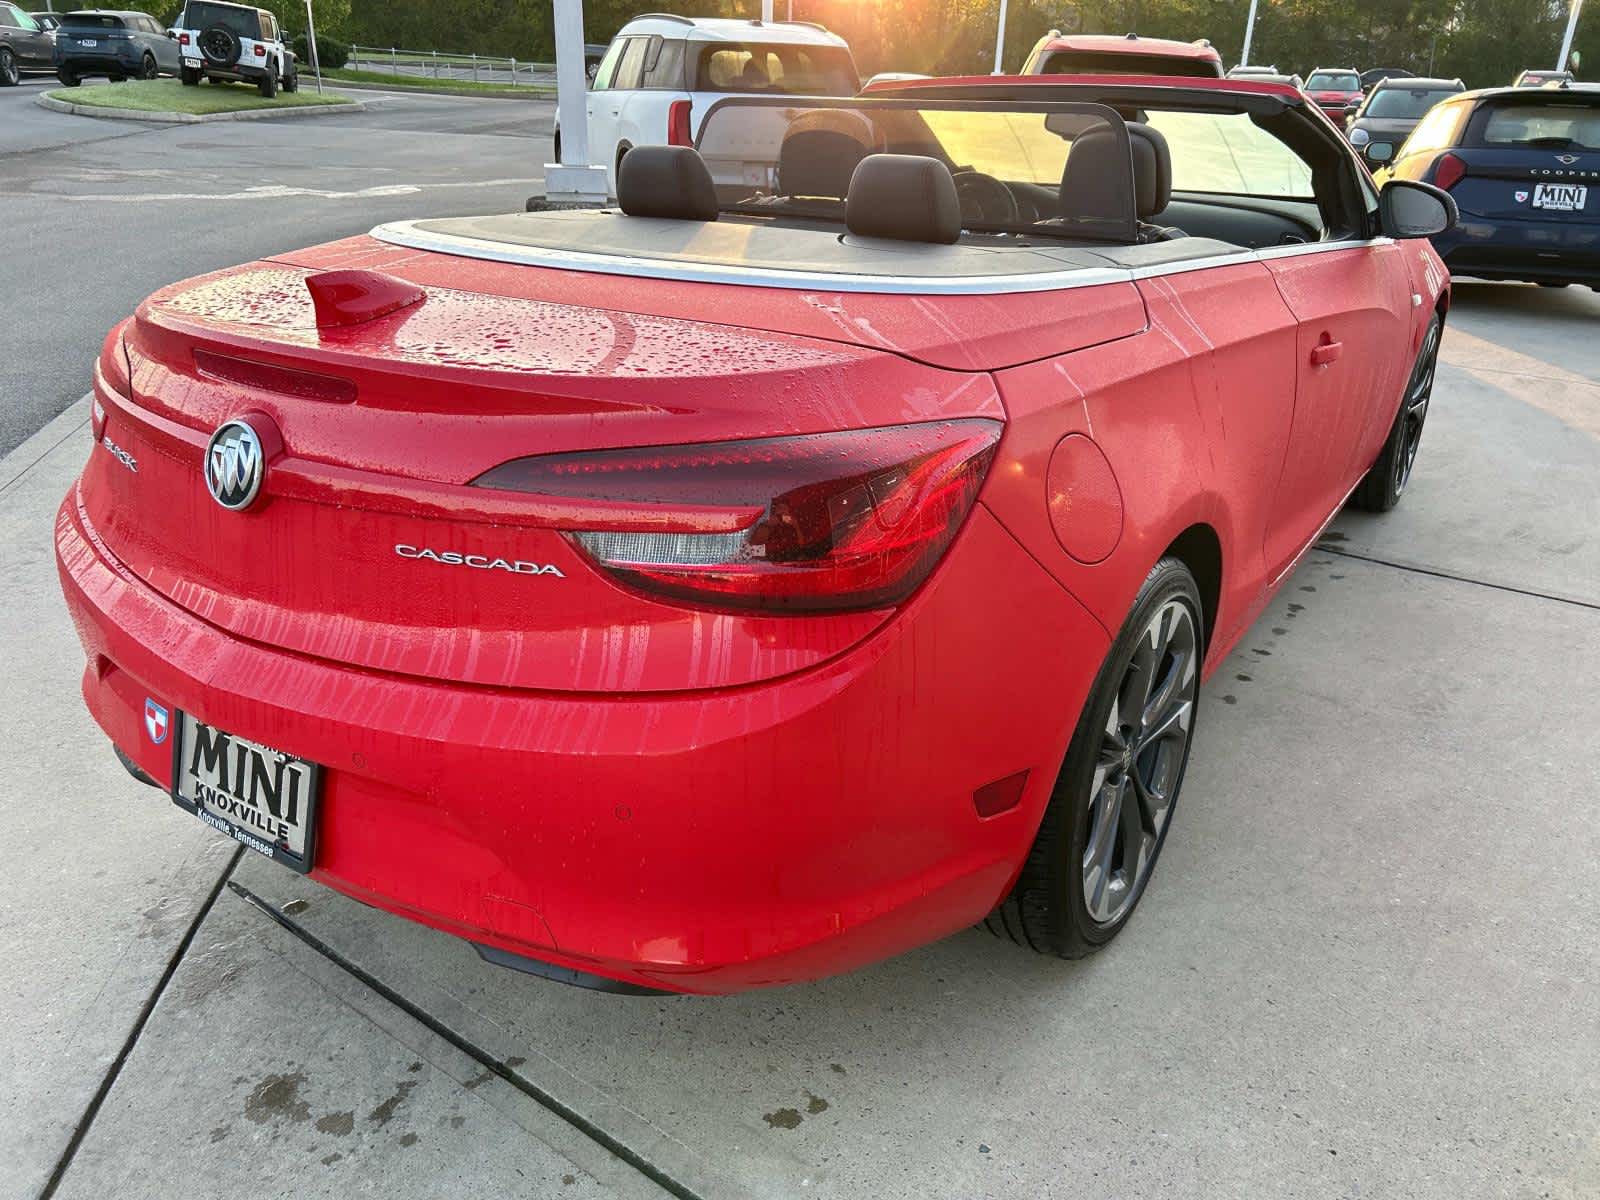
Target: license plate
pixel 1561 197
pixel 88 43
pixel 259 796
pixel 191 62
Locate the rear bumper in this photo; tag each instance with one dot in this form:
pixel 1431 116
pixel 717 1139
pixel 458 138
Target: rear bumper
pixel 1535 251
pixel 243 72
pixel 121 61
pixel 702 841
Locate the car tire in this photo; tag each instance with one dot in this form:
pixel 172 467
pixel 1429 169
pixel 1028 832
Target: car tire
pixel 218 45
pixel 118 78
pixel 291 81
pixel 189 76
pixel 9 75
pixel 1118 785
pixel 268 84
pixel 148 68
pixel 556 150
pixel 68 78
pixel 1382 486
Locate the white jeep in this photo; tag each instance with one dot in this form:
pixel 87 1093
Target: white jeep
pixel 662 73
pixel 220 41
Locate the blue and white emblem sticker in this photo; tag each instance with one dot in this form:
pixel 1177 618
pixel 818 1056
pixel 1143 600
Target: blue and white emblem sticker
pixel 156 721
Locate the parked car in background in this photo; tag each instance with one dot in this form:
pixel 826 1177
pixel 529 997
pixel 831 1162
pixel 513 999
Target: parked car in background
pixel 890 77
pixel 237 43
pixel 1336 90
pixel 1523 166
pixel 1394 106
pixel 47 21
pixel 662 73
pixel 1057 53
pixel 1243 70
pixel 1372 77
pixel 1533 79
pixel 1293 81
pixel 593 52
pixel 118 44
pixel 24 46
pixel 733 587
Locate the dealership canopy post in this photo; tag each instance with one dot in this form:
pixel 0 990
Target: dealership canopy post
pixel 573 180
pixel 1000 41
pixel 1249 35
pixel 311 46
pixel 1566 42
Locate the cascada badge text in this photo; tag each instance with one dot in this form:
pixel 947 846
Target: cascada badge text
pixel 481 562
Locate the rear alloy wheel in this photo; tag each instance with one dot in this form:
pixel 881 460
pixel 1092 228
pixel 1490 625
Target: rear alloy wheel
pixel 1384 484
pixel 148 68
pixel 9 75
pixel 1113 801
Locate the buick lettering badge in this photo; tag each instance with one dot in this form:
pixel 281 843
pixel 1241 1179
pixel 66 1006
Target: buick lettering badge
pixel 235 465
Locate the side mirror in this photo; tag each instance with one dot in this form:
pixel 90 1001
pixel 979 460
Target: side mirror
pixel 173 34
pixel 1379 154
pixel 1407 209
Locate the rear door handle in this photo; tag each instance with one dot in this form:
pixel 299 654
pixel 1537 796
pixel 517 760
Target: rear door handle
pixel 1325 352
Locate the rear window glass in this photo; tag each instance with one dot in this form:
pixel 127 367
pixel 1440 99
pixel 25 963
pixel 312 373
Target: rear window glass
pixel 1403 103
pixel 1546 126
pixel 1095 62
pixel 777 70
pixel 85 20
pixel 1229 153
pixel 1334 81
pixel 242 22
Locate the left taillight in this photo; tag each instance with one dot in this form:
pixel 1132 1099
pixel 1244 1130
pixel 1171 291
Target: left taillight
pixel 818 523
pixel 261 51
pixel 678 124
pixel 183 39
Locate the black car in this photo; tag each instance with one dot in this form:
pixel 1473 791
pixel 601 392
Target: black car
pixel 23 45
pixel 1523 165
pixel 1374 76
pixel 114 43
pixel 1393 108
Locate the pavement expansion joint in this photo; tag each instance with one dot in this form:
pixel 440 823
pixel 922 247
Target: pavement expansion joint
pixel 483 1057
pixel 1436 573
pixel 108 1081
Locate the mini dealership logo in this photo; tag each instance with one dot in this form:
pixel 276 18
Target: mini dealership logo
pixel 1522 197
pixel 156 721
pixel 481 562
pixel 235 465
pixel 1567 159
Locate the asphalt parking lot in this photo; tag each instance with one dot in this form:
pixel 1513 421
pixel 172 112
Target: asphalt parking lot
pixel 1368 965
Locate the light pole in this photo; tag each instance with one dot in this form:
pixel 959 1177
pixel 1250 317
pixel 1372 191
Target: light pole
pixel 1249 34
pixel 573 180
pixel 1000 42
pixel 1572 27
pixel 311 47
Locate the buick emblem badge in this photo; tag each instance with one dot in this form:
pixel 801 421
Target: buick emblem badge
pixel 235 464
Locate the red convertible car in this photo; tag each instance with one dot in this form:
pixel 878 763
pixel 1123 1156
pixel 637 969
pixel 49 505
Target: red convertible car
pixel 749 582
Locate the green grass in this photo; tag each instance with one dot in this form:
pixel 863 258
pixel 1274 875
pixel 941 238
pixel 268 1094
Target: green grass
pixel 168 95
pixel 464 87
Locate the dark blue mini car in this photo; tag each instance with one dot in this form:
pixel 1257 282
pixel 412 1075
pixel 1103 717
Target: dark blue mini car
pixel 1523 166
pixel 114 43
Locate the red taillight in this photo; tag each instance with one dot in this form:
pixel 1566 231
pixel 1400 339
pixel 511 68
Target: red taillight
pixel 678 124
pixel 261 51
pixel 183 39
pixel 823 522
pixel 1447 172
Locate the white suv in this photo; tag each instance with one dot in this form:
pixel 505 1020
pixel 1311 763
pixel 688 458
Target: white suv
pixel 661 73
pixel 234 41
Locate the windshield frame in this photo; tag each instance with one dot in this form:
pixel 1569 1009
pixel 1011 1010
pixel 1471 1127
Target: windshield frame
pixel 1313 86
pixel 1124 233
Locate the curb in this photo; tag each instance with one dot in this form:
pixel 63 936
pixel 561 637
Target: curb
pixel 528 93
pixel 38 445
pixel 43 100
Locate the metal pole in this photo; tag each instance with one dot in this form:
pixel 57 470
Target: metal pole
pixel 1249 35
pixel 572 180
pixel 1000 41
pixel 766 12
pixel 311 46
pixel 1572 27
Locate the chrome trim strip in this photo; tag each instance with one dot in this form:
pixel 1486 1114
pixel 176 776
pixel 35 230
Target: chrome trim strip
pixel 406 233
